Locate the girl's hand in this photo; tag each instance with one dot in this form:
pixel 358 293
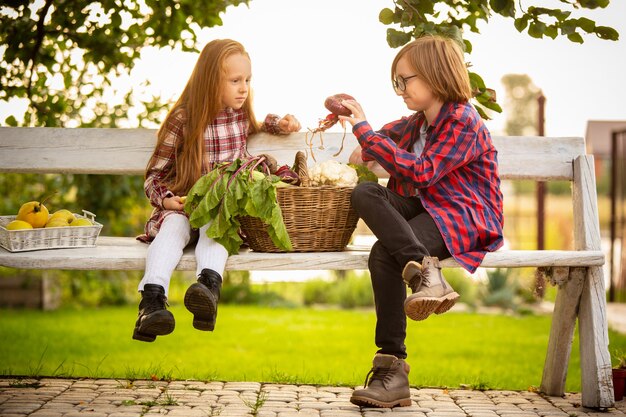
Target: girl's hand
pixel 289 124
pixel 358 115
pixel 173 203
pixel 355 156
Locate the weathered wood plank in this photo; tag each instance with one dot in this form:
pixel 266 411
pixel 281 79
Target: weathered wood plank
pixel 597 384
pixel 126 151
pixel 562 333
pixel 115 253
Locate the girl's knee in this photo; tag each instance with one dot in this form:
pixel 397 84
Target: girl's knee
pixel 177 224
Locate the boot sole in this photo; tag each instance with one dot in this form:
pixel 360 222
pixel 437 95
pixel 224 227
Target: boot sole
pixel 370 402
pixel 203 308
pixel 160 324
pixel 420 308
pixel 143 337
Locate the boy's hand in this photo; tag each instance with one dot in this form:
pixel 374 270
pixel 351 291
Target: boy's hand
pixel 358 115
pixel 289 124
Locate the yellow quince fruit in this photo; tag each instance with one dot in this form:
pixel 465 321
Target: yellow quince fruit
pixel 81 222
pixel 57 223
pixel 19 225
pixel 34 213
pixel 63 214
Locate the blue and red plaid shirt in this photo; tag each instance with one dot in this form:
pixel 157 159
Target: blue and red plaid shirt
pixel 456 175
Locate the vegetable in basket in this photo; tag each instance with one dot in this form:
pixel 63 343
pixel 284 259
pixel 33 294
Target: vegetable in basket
pixel 236 189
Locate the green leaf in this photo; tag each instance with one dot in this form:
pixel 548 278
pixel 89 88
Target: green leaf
pixel 568 27
pixel 229 192
pixel 492 105
pixel 575 37
pixel 503 7
pixel 476 81
pixel 605 32
pixel 395 38
pixel 585 24
pixel 482 112
pixel 11 121
pixel 536 29
pixel 521 23
pixel 386 16
pixel 468 46
pixel 551 31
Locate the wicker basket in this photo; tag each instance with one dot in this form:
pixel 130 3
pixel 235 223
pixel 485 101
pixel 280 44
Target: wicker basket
pixel 318 219
pixel 49 238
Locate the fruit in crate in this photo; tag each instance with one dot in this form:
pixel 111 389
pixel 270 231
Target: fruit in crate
pixel 63 214
pixel 57 222
pixel 34 213
pixel 19 225
pixel 81 222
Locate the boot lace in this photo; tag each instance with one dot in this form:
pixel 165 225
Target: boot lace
pixel 156 302
pixel 418 279
pixel 377 373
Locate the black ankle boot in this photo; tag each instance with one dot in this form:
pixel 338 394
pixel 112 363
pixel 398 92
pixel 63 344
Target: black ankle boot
pixel 154 320
pixel 201 299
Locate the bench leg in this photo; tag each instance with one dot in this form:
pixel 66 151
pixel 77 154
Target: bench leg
pixel 562 333
pixel 595 360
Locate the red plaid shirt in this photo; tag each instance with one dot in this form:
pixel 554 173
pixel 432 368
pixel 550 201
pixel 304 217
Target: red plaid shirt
pixel 456 175
pixel 224 140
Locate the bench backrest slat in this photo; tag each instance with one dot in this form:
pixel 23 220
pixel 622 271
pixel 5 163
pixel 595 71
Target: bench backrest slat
pixel 126 151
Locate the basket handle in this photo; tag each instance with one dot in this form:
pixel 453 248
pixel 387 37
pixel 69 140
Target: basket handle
pixel 90 214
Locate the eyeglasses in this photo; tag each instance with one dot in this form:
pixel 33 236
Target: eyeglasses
pixel 399 84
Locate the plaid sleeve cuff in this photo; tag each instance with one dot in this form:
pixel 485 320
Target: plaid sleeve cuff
pixel 362 131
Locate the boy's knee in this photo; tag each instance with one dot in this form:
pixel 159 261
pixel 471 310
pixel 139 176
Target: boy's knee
pixel 363 192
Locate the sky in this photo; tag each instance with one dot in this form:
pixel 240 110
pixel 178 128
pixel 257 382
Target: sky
pixel 304 51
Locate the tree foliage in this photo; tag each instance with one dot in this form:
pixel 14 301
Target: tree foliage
pixel 414 18
pixel 521 96
pixel 61 56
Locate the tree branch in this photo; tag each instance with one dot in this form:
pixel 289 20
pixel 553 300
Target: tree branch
pixel 38 41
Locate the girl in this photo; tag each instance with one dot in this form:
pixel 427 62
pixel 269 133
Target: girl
pixel 209 124
pixel 443 199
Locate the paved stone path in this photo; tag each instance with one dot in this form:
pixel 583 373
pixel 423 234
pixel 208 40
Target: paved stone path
pixel 49 397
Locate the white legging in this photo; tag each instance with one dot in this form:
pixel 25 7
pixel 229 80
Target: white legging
pixel 167 247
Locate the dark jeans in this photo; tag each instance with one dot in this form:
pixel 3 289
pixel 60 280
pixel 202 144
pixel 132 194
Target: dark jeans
pixel 405 232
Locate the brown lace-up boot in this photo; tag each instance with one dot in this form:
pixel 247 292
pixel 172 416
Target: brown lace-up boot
pixel 388 386
pixel 431 291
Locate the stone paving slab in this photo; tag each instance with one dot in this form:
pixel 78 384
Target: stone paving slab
pixel 50 397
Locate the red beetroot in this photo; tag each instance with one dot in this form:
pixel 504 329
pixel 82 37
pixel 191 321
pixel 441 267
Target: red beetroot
pixel 333 104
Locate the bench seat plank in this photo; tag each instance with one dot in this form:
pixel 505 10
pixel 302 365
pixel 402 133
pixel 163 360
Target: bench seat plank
pixel 125 253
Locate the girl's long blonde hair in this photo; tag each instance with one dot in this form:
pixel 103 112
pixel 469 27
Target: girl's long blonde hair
pixel 201 100
pixel 439 62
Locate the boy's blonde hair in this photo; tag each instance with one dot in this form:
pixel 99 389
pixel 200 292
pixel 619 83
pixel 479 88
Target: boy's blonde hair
pixel 439 62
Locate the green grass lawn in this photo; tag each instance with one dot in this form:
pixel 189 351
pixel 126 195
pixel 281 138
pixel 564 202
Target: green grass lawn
pixel 279 345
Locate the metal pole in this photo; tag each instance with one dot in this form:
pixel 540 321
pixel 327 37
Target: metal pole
pixel 613 196
pixel 540 284
pixel 541 101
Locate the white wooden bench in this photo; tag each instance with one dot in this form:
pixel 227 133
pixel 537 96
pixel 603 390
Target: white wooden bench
pixel 578 272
